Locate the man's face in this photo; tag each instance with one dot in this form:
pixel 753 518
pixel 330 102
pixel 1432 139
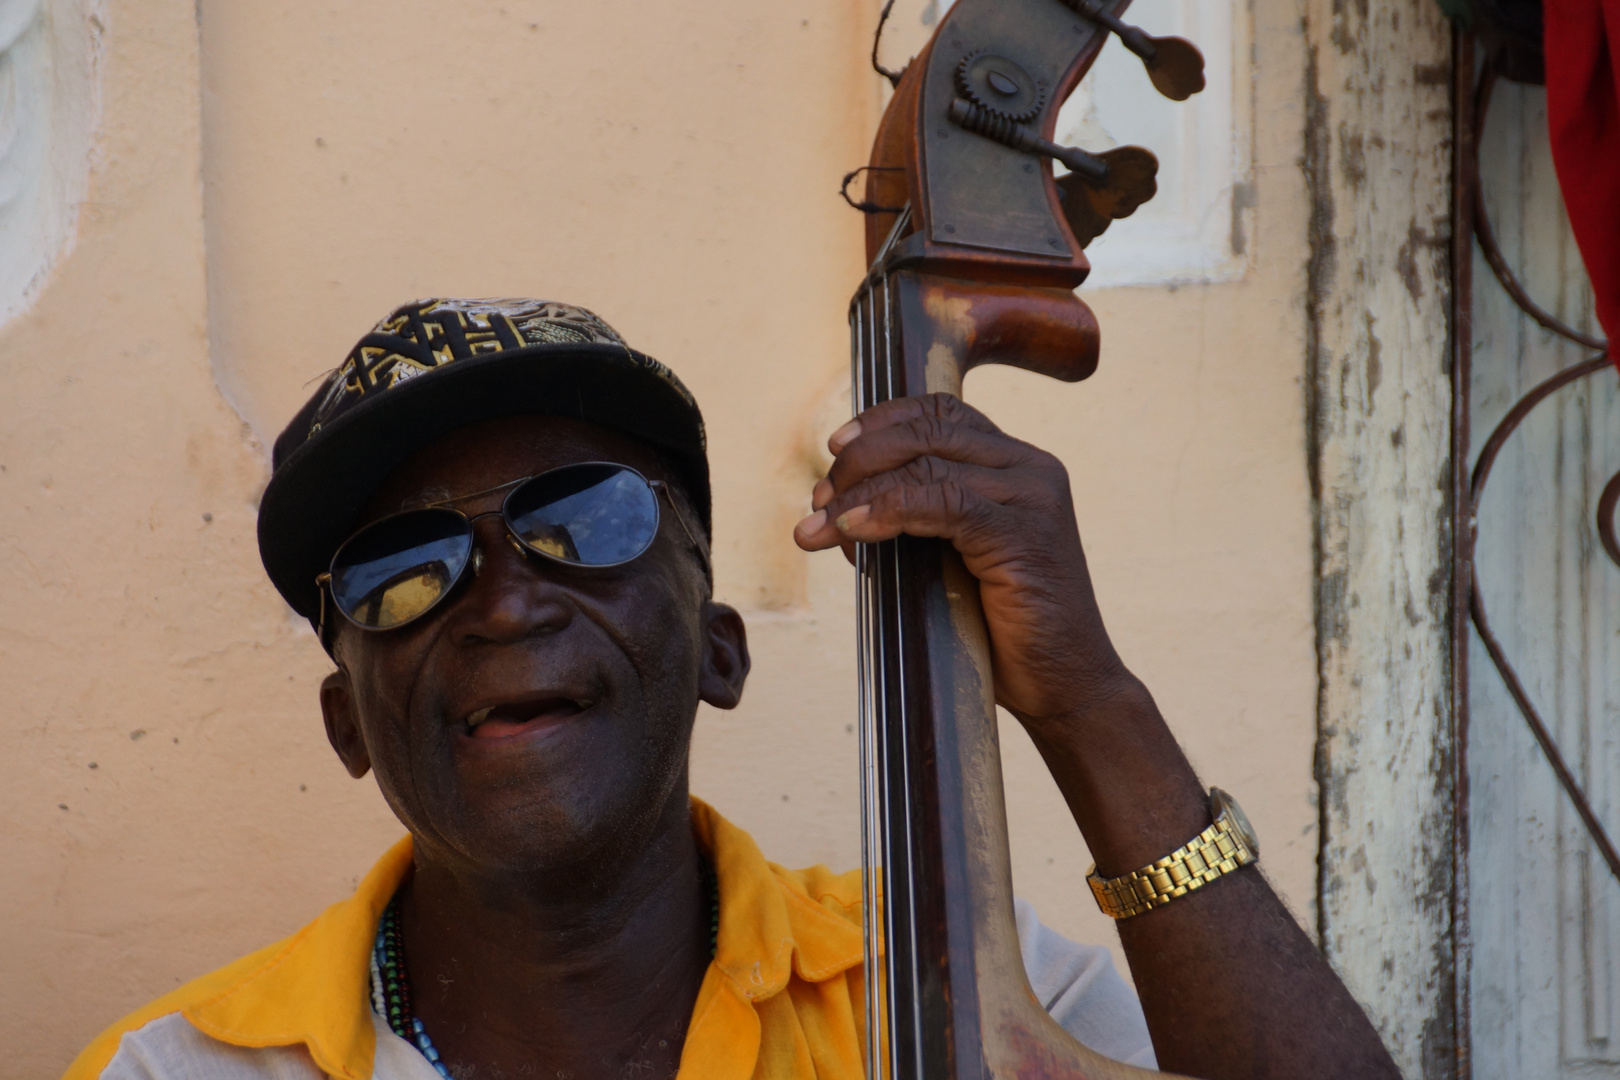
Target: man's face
pixel 538 718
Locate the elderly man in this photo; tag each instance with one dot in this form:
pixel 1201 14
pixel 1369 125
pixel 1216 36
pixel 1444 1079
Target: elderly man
pixel 496 515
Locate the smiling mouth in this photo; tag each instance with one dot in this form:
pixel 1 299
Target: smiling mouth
pixel 517 717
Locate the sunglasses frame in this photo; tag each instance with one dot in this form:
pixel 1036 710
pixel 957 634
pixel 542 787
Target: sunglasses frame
pixel 323 581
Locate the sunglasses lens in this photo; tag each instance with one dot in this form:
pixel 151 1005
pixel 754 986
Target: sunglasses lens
pixel 390 572
pixel 589 515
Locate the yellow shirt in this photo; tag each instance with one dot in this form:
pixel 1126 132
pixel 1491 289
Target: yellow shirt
pixel 783 996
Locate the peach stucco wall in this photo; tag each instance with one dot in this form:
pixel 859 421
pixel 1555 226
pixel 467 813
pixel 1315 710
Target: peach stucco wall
pixel 271 178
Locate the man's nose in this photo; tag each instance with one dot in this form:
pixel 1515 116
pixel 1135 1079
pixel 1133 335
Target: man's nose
pixel 510 597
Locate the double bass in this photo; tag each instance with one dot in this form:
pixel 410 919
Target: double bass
pixel 975 250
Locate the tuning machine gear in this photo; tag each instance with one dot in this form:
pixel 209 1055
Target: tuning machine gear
pixel 1009 132
pixel 1000 86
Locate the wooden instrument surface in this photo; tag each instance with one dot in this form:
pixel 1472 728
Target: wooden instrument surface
pixel 980 266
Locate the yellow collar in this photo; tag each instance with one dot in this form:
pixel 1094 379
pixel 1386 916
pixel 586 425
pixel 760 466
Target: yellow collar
pixel 314 987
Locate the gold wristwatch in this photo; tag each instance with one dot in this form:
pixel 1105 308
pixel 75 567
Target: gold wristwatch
pixel 1219 849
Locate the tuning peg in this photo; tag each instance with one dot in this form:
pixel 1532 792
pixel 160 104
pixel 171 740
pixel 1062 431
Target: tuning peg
pixel 1090 205
pixel 1174 64
pixel 1177 69
pixel 1098 187
pixel 1007 131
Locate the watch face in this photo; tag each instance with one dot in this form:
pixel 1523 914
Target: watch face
pixel 1223 804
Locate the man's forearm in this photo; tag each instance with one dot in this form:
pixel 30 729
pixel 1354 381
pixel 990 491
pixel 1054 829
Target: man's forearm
pixel 1230 984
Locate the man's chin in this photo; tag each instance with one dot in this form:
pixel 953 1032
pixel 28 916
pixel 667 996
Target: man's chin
pixel 509 833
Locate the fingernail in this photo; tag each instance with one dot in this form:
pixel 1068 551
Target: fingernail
pixel 821 494
pixel 851 518
pixel 844 436
pixel 812 524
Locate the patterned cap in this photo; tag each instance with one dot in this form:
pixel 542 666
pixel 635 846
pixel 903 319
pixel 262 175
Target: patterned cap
pixel 437 365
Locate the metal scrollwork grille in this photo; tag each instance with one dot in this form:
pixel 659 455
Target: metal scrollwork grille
pixel 1484 234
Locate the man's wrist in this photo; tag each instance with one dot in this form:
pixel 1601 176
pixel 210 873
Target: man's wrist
pixel 1105 699
pixel 1130 787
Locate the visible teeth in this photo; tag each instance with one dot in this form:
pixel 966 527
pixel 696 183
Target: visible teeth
pixel 480 716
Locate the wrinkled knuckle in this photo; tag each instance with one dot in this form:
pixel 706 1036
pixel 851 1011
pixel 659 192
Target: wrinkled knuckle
pixel 931 429
pixel 916 471
pixel 935 470
pixel 960 501
pixel 972 417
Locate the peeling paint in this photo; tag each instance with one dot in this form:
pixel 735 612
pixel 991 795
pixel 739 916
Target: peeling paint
pixel 1375 361
pixel 1432 74
pixel 1376 159
pixel 1353 156
pixel 1319 266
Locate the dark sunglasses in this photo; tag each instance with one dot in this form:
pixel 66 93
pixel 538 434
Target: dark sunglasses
pixel 596 514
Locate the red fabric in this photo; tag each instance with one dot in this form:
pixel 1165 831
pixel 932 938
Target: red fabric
pixel 1583 119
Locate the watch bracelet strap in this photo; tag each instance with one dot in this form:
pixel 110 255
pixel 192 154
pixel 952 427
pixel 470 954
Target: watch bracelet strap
pixel 1216 851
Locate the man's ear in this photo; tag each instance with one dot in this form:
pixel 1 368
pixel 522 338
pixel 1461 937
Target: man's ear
pixel 725 656
pixel 343 723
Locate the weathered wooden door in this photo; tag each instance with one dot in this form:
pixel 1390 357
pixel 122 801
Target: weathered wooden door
pixel 1544 910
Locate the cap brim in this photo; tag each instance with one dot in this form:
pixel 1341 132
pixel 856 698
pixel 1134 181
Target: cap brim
pixel 316 495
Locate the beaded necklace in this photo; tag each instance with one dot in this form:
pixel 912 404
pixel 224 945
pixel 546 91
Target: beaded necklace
pixel 391 990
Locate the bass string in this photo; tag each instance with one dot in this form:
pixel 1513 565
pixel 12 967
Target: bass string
pixel 870 811
pixel 892 867
pixel 899 737
pixel 882 717
pixel 882 803
pixel 873 384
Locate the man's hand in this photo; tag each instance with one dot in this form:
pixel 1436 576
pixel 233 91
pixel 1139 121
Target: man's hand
pixel 1229 983
pixel 932 466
